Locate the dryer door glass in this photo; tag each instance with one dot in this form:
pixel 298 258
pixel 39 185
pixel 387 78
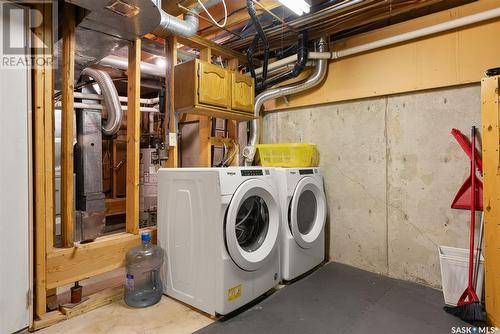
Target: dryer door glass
pixel 252 224
pixel 307 212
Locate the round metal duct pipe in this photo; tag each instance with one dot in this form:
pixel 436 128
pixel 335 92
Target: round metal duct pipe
pixel 111 99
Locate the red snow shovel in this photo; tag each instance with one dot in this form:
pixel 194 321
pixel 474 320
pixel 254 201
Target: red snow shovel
pixel 469 306
pixel 462 199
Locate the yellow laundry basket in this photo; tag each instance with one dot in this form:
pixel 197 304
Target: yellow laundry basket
pixel 287 155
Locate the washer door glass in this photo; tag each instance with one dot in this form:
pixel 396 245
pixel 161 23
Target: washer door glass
pixel 252 224
pixel 307 212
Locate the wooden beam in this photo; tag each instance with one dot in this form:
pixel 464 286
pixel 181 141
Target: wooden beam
pixel 490 108
pixel 171 127
pixel 172 8
pixel 133 136
pixel 95 300
pixel 199 42
pixel 116 206
pixel 67 265
pixel 241 16
pixel 48 319
pixel 67 112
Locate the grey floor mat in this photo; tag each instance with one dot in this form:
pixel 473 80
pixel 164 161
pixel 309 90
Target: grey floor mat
pixel 341 299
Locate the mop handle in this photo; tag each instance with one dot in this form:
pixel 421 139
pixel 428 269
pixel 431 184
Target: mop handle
pixel 473 207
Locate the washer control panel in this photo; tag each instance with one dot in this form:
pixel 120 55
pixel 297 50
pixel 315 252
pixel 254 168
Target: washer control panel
pixel 252 172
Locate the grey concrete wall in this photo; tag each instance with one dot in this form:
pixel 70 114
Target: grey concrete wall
pixel 391 170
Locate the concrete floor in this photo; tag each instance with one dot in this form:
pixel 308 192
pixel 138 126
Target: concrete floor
pixel 334 299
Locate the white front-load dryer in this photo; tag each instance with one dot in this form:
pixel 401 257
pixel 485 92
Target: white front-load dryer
pixel 219 228
pixel 304 211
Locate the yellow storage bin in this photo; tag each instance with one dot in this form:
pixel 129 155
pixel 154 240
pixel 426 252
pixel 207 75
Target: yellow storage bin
pixel 287 155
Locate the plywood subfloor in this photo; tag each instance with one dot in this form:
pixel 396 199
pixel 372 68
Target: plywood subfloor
pixel 168 316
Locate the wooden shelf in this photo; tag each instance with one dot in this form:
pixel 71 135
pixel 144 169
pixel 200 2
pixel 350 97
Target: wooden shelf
pixel 199 109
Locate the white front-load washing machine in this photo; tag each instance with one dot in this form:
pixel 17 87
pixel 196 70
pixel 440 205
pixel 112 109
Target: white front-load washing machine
pixel 304 211
pixel 219 228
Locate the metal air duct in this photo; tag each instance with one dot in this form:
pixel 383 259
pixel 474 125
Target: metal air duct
pixel 315 78
pixel 111 99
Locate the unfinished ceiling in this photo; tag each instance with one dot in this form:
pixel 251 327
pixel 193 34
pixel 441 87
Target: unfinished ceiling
pixel 334 18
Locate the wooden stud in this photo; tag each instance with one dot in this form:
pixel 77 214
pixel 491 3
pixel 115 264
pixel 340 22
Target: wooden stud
pixel 232 132
pixel 206 55
pixel 491 179
pixel 233 64
pixel 39 177
pixel 114 175
pixel 205 124
pixel 67 113
pixel 133 136
pixel 49 137
pixel 171 59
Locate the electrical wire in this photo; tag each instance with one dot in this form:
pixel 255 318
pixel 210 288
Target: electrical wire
pixel 211 17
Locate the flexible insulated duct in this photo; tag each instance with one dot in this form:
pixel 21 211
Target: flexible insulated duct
pixel 111 99
pixel 317 76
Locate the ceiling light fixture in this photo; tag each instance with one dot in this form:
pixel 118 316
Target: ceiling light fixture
pixel 299 7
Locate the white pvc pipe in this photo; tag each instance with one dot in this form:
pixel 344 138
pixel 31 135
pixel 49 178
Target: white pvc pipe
pixel 277 64
pixel 437 28
pixel 80 105
pixel 98 97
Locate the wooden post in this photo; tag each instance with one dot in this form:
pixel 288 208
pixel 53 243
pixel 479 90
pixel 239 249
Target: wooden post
pixel 205 124
pixel 206 55
pixel 233 64
pixel 491 197
pixel 114 176
pixel 133 136
pixel 49 138
pixel 43 163
pixel 171 58
pixel 232 126
pixel 67 112
pixel 39 178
